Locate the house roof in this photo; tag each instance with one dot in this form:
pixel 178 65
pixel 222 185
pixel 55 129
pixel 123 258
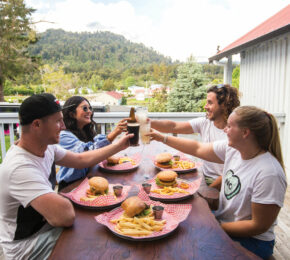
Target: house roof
pixel 114 94
pixel 140 91
pixel 274 26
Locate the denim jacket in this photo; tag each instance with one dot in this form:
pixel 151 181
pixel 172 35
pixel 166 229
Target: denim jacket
pixel 70 142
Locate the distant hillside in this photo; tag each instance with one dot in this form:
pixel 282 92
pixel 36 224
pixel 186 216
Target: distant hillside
pixel 83 52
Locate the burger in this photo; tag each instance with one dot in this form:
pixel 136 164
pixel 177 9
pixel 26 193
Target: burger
pixel 98 186
pixel 135 207
pixel 113 160
pixel 166 178
pixel 164 160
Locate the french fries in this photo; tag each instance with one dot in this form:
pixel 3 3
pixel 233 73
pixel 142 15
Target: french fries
pixel 185 165
pixel 86 199
pixel 127 159
pixel 137 226
pixel 169 191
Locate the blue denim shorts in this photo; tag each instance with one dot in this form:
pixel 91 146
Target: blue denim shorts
pixel 261 248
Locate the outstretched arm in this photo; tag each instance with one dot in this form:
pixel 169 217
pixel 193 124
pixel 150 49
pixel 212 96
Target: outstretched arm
pixel 202 150
pixel 91 158
pixel 167 126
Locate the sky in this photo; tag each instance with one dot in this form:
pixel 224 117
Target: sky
pixel 174 28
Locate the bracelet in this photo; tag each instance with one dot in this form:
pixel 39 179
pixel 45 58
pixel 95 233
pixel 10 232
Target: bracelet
pixel 165 139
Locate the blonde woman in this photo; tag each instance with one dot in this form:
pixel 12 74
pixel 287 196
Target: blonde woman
pixel 254 182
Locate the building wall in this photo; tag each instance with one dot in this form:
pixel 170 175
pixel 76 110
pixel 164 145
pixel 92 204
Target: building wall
pixel 105 99
pixel 265 82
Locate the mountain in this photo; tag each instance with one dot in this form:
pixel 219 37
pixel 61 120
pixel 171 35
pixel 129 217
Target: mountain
pixel 83 52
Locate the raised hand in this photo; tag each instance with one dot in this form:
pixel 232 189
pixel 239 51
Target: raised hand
pixel 155 135
pixel 123 142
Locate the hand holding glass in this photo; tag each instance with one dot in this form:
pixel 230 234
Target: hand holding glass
pixel 145 129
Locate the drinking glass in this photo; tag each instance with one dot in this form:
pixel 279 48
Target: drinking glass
pixel 145 129
pixel 142 115
pixel 133 128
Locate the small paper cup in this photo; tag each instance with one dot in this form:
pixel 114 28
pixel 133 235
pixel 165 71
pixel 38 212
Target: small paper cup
pixel 118 190
pixel 158 212
pixel 146 187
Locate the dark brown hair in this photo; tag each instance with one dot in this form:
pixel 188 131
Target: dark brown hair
pixel 88 132
pixel 227 96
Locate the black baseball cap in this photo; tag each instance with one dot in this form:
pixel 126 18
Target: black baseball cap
pixel 38 106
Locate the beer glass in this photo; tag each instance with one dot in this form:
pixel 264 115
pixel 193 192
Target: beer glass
pixel 133 128
pixel 142 115
pixel 145 129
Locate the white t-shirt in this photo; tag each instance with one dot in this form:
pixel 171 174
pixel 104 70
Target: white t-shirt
pixel 23 177
pixel 259 180
pixel 209 133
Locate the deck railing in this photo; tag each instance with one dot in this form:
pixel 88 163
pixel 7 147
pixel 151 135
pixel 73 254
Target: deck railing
pixel 107 119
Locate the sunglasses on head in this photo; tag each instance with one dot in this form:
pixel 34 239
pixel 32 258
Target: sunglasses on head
pixel 87 108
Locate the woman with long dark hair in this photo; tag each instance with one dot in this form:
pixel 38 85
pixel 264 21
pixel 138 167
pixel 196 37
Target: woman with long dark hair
pixel 253 181
pixel 80 135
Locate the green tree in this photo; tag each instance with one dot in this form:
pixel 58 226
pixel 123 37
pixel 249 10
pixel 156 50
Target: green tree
pixel 124 101
pixel 56 81
pixel 236 77
pixel 129 81
pixel 158 101
pixel 109 85
pixel 188 91
pixel 15 36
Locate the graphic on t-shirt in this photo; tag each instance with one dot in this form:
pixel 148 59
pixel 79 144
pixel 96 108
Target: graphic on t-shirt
pixel 232 185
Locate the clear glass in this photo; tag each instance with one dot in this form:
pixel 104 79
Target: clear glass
pixel 141 115
pixel 145 129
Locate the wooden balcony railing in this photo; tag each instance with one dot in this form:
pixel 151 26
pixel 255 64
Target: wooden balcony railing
pixel 107 120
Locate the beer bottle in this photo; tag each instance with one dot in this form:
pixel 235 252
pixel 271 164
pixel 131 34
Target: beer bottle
pixel 132 116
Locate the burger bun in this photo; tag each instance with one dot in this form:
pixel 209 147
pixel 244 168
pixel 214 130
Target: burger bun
pixel 163 157
pixel 113 160
pixel 166 178
pixel 98 185
pixel 133 206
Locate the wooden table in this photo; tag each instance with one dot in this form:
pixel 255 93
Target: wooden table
pixel 199 237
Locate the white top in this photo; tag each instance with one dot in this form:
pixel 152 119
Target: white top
pixel 23 177
pixel 209 133
pixel 259 180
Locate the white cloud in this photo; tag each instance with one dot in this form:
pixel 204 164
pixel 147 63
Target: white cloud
pixel 185 27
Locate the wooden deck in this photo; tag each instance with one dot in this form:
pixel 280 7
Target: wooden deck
pixel 282 230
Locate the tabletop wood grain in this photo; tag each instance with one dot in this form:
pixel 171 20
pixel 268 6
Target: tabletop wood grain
pixel 198 237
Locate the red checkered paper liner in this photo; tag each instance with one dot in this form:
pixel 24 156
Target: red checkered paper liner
pixel 122 166
pixel 193 187
pixel 183 157
pixel 173 214
pixel 100 201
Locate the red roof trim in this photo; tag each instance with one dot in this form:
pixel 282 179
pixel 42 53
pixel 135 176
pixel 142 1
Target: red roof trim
pixel 276 22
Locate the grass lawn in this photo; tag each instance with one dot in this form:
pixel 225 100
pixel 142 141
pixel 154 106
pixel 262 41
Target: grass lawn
pixel 7 145
pixel 134 102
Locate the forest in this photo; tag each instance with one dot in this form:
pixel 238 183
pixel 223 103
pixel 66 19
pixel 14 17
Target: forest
pixel 58 61
pixel 101 61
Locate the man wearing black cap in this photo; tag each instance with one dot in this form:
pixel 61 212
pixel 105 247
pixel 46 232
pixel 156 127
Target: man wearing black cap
pixel 31 213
